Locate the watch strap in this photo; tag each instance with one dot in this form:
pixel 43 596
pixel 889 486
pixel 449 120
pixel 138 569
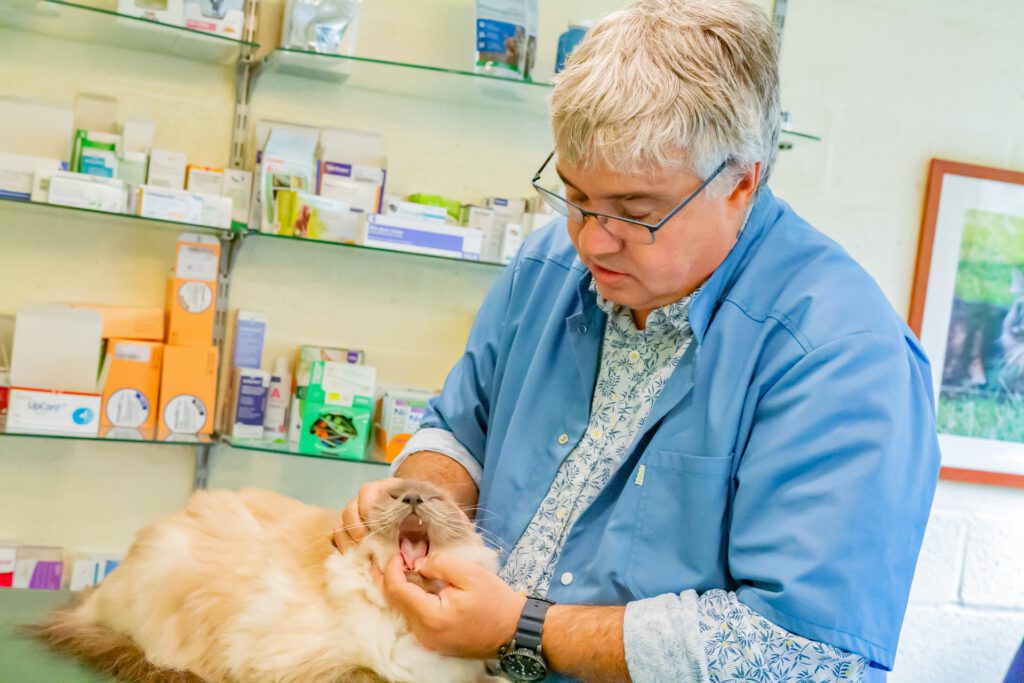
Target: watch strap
pixel 531 623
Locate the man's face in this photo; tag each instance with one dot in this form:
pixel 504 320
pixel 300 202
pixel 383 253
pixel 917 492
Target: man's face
pixel 686 250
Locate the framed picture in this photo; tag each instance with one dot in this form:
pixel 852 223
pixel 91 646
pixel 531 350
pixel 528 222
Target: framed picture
pixel 967 307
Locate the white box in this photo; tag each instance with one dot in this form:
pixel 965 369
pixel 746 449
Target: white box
pixel 18 173
pixel 225 17
pixel 361 187
pixel 510 242
pixel 427 212
pixel 56 347
pixel 167 169
pixel 422 237
pixel 82 193
pixel 184 207
pixel 43 411
pixel 36 129
pixel 164 11
pixel 238 188
pixel 214 211
pixel 485 220
pixel 204 180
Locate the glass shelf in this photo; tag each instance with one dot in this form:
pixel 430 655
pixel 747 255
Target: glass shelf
pixel 790 138
pixel 321 243
pixel 374 456
pixel 90 24
pixel 450 86
pixel 119 435
pixel 54 212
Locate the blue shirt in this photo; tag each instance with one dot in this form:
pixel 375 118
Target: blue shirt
pixel 791 456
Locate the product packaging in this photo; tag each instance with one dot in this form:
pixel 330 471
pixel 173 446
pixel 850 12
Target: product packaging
pixel 327 26
pixel 95 153
pixel 287 166
pixel 166 169
pixel 192 292
pixel 131 387
pixel 324 219
pixel 223 17
pixel 164 11
pixel 423 237
pixel 452 206
pixel 250 330
pixel 338 410
pixel 506 37
pixel 39 568
pixel 8 558
pixel 18 174
pixel 400 413
pixel 83 191
pixel 188 389
pixel 56 347
pixel 204 179
pixel 123 322
pixel 568 41
pixel 248 402
pixel 275 423
pixel 238 188
pixel 307 355
pixel 53 412
pixel 86 573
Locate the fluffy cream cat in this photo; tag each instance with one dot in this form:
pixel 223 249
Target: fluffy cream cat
pixel 248 587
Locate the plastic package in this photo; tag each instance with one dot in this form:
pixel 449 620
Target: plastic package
pixel 506 37
pixel 327 26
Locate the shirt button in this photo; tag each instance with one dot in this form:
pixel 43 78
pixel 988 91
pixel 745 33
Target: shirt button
pixel 563 439
pixel 582 329
pixel 566 578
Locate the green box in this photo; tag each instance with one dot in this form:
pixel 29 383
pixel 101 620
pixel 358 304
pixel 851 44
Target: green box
pixel 337 414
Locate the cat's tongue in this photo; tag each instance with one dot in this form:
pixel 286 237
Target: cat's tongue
pixel 413 543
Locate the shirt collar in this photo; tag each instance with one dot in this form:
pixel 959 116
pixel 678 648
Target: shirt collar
pixel 672 316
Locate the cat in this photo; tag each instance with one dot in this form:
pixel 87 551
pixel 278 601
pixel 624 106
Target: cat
pixel 249 587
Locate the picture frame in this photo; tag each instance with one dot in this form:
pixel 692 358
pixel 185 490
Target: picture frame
pixel 967 308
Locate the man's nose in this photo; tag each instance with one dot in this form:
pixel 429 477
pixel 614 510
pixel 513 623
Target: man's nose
pixel 412 499
pixel 595 239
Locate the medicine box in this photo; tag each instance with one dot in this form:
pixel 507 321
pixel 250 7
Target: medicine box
pixel 47 411
pixel 423 237
pixel 248 403
pixel 85 573
pixel 131 391
pixel 166 169
pixel 8 558
pixel 223 17
pixel 92 192
pixel 191 312
pixel 124 322
pixel 188 389
pixel 164 11
pixel 39 568
pixel 204 179
pixel 338 410
pixel 361 187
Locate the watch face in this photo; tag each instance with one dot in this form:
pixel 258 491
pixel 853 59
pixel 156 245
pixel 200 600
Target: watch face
pixel 524 665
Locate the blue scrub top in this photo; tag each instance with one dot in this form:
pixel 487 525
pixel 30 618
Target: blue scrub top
pixel 791 457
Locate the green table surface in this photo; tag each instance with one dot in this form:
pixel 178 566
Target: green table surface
pixel 25 660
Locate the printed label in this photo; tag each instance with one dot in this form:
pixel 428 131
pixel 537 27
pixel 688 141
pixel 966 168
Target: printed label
pixel 127 408
pixel 195 297
pixel 196 263
pixel 133 352
pixel 185 414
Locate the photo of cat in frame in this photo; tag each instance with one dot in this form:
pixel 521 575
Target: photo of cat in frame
pixel 967 308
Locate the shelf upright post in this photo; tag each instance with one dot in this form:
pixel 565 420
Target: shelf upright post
pixel 202 470
pixel 247 67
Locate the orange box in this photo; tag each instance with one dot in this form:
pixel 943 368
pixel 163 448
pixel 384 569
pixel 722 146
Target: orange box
pixel 197 257
pixel 122 322
pixel 188 389
pixel 191 311
pixel 132 386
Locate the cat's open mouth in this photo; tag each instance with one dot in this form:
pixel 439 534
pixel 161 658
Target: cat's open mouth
pixel 413 541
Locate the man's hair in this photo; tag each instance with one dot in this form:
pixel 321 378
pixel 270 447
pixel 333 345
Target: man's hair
pixel 672 83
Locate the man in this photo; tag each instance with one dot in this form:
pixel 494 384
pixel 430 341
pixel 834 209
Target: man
pixel 691 422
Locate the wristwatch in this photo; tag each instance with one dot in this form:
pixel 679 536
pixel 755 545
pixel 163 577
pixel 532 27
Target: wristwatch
pixel 521 660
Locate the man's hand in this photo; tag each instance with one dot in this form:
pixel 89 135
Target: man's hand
pixel 472 617
pixel 352 527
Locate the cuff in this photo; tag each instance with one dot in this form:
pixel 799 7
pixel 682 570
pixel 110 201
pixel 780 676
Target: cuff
pixel 440 441
pixel 661 636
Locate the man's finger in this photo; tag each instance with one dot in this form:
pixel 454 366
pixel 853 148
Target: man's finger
pixel 409 598
pixel 352 523
pixel 449 569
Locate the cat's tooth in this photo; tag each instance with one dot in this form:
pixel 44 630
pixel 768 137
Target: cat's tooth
pixel 420 519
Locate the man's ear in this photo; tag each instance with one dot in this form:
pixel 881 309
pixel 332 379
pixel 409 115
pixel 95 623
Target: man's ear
pixel 745 189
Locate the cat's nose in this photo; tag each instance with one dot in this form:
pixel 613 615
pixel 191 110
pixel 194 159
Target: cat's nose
pixel 412 499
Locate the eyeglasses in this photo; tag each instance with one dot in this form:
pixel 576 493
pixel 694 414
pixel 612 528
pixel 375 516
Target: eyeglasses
pixel 626 229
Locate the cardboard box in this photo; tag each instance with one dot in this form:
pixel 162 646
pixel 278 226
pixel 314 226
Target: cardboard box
pixel 18 173
pixel 423 237
pixel 197 257
pixel 80 193
pixel 309 354
pixel 238 188
pixel 123 322
pixel 53 412
pixel 167 169
pixel 248 403
pixel 338 410
pixel 8 559
pixel 191 312
pixel 204 179
pixel 188 389
pixel 131 391
pixel 39 568
pixel 164 11
pixel 225 18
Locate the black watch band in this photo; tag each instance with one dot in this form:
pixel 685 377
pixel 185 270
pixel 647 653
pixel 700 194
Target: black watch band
pixel 531 623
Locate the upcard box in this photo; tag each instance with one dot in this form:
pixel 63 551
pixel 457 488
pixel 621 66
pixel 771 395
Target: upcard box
pixel 39 568
pixel 131 391
pixel 123 322
pixel 46 411
pixel 188 389
pixel 192 292
pixel 423 237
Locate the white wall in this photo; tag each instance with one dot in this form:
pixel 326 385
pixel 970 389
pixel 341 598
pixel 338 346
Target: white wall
pixel 889 85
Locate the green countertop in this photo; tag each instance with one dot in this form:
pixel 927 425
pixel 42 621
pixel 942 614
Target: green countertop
pixel 25 660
